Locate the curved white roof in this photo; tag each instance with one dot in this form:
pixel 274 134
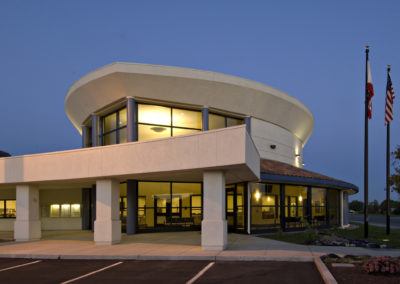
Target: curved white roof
pixel 188 87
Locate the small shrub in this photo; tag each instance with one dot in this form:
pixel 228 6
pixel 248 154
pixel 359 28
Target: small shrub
pixel 382 264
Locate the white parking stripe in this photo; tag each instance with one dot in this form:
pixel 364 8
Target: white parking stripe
pixel 201 272
pixel 93 272
pixel 21 265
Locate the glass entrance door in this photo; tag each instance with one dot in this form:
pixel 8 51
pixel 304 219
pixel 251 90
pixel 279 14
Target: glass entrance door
pixel 234 207
pixel 166 208
pixel 231 217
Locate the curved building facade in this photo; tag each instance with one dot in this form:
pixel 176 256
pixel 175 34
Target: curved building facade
pixel 169 149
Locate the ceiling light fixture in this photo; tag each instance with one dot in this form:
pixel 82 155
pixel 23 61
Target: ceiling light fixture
pixel 158 129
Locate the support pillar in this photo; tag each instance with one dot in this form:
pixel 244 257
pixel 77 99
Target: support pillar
pixel 247 121
pixel 214 227
pixel 86 216
pixel 95 130
pixel 282 207
pixel 85 136
pixel 27 226
pixel 107 227
pixel 204 118
pixel 92 207
pixel 131 125
pixel 344 209
pixel 309 205
pixel 132 210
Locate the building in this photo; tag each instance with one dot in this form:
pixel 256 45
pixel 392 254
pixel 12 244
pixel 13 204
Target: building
pixel 171 149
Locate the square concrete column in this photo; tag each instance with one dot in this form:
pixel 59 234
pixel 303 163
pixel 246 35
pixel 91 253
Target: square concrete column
pixel 344 209
pixel 107 226
pixel 132 209
pixel 27 226
pixel 214 227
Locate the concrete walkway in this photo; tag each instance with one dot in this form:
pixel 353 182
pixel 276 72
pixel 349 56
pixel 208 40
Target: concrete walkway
pixel 173 246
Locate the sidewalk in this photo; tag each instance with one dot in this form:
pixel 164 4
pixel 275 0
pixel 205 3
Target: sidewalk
pixel 171 246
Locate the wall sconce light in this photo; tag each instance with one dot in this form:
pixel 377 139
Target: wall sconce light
pixel 257 195
pixel 300 198
pixel 272 146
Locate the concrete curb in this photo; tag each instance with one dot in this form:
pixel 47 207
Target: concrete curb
pixel 324 271
pixel 162 257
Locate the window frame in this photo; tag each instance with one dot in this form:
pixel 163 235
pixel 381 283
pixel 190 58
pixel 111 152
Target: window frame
pixel 171 126
pixel 115 130
pixel 226 117
pixel 4 214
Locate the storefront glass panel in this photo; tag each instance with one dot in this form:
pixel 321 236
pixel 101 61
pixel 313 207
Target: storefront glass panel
pixel 153 114
pixel 318 204
pixel 186 118
pixel 169 205
pixel 216 121
pixel 334 207
pixel 295 206
pixel 11 206
pixel 151 132
pixel 240 223
pixel 264 200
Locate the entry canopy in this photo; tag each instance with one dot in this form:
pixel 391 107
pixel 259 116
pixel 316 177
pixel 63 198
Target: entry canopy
pixel 181 158
pixel 274 171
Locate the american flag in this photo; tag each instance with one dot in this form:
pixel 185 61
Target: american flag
pixel 389 101
pixel 370 90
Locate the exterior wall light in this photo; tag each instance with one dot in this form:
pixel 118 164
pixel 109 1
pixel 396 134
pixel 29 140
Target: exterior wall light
pixel 257 195
pixel 300 198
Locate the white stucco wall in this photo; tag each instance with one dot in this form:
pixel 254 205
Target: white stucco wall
pixel 230 149
pixel 7 225
pixel 265 134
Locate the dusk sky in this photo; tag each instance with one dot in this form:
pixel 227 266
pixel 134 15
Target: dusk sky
pixel 312 50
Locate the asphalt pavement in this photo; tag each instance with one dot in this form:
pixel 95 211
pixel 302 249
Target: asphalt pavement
pixel 377 220
pixel 154 271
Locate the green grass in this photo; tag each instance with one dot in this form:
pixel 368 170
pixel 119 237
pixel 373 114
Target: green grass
pixel 376 235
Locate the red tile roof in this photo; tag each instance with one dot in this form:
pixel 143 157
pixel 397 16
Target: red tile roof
pixel 271 168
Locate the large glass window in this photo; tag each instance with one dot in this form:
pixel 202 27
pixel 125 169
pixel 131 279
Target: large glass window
pixel 166 204
pixel 161 122
pixel 186 118
pixel 152 114
pixel 216 121
pixel 265 213
pixel 333 199
pixel 7 208
pixel 114 128
pixel 295 206
pixel 235 206
pixel 65 210
pixel 155 122
pixel 318 204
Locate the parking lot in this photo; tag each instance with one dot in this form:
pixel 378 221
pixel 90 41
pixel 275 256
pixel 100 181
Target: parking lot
pixel 136 271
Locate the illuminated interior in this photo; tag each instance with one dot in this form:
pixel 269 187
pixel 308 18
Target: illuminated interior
pixel 155 122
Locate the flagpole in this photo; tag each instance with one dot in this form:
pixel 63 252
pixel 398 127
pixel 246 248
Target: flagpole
pixel 366 147
pixel 388 207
